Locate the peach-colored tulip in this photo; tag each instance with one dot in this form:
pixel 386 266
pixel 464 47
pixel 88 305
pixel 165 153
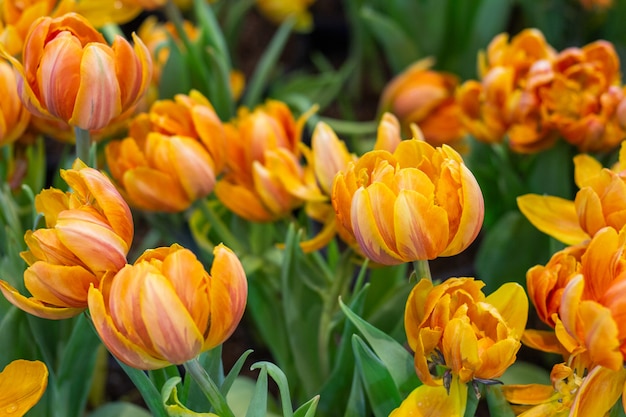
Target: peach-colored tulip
pixel 88 234
pixel 166 309
pixel 14 117
pixel 70 73
pixel 172 155
pixel 415 204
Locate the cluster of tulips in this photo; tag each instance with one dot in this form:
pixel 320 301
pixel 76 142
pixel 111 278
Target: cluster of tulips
pixel 410 198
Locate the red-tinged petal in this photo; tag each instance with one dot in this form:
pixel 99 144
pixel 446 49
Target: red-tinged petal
pixel 190 282
pixel 150 189
pixel 91 240
pixel 421 228
pixel 45 245
pixel 598 262
pixel 271 192
pixel 194 166
pixel 601 335
pixel 36 307
pixel 126 351
pixel 58 77
pixel 128 71
pixel 373 223
pixel 170 326
pixel 98 97
pixel 554 216
pixel 229 294
pixel 145 59
pixel 242 201
pixel 59 285
pixel 511 302
pixel 570 302
pixel 330 155
pixel 388 134
pixel 600 390
pixel 22 383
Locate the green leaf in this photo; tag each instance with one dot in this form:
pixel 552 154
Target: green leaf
pixel 379 385
pixel 357 405
pixel 525 373
pixel 234 372
pixel 511 247
pixel 121 409
pixel 399 48
pixel 307 409
pixel 258 402
pixel 498 405
pixel 149 393
pixel 397 360
pixel 172 404
pixel 175 74
pixel 552 171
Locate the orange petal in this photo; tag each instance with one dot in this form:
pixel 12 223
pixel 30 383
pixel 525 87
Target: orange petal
pixel 22 383
pixel 36 307
pixel 242 201
pixel 150 189
pixel 554 216
pixel 544 340
pixel 600 390
pixel 59 285
pixel 601 335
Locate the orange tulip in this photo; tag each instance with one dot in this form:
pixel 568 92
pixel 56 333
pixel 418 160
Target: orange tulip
pixel 22 383
pixel 600 202
pixel 264 179
pixel 278 11
pixel 172 155
pixel 189 311
pixel 457 327
pixel 415 204
pixel 88 234
pixel 14 117
pixel 425 97
pixel 70 73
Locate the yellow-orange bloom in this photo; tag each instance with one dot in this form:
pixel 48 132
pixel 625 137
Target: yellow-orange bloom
pixel 264 179
pixel 22 383
pixel 571 393
pixel 600 202
pixel 166 309
pixel 277 11
pixel 172 155
pixel 14 117
pixel 425 97
pixel 427 401
pixel 70 73
pixel 88 234
pixel 415 204
pixel 454 325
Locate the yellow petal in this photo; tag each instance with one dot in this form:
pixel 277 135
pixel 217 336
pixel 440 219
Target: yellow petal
pixel 544 340
pixel 585 168
pixel 242 201
pixel 530 394
pixel 590 210
pixel 22 383
pixel 36 307
pixel 600 390
pixel 554 216
pixel 429 401
pixel 59 285
pixel 511 302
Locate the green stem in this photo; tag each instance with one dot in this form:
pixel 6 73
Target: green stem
pixel 422 270
pixel 209 388
pixel 148 391
pixel 219 226
pixel 351 128
pixel 83 143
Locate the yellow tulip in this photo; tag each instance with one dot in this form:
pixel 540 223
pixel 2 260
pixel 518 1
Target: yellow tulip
pixel 415 204
pixel 278 11
pixel 14 117
pixel 428 400
pixel 455 325
pixel 70 73
pixel 425 97
pixel 88 234
pixel 172 155
pixel 166 309
pixel 22 383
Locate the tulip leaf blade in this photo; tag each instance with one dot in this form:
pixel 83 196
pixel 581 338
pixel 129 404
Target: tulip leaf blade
pixel 234 372
pixel 281 380
pixel 399 48
pixel 174 75
pixel 379 385
pixel 356 405
pixel 258 402
pixel 307 409
pixel 395 357
pixel 119 409
pixel 498 405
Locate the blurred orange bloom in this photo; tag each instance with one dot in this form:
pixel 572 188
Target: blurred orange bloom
pixel 88 234
pixel 600 202
pixel 425 97
pixel 22 383
pixel 70 73
pixel 415 204
pixel 172 155
pixel 189 310
pixel 277 11
pixel 14 117
pixel 264 179
pixel 597 4
pixel 454 325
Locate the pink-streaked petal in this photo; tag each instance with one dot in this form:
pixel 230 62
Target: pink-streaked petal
pixel 36 307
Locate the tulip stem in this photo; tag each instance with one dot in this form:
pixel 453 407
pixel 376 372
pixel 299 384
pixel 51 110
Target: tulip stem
pixel 422 270
pixel 83 143
pixel 208 387
pixel 228 238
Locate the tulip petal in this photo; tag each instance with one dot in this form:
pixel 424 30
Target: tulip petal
pixel 229 293
pixel 123 349
pixel 150 189
pixel 554 216
pixel 511 302
pixel 543 340
pixel 98 98
pixel 600 390
pixel 59 285
pixel 586 168
pixel 427 401
pixel 601 335
pixel 36 307
pixel 242 201
pixel 22 383
pixel 373 223
pixel 530 394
